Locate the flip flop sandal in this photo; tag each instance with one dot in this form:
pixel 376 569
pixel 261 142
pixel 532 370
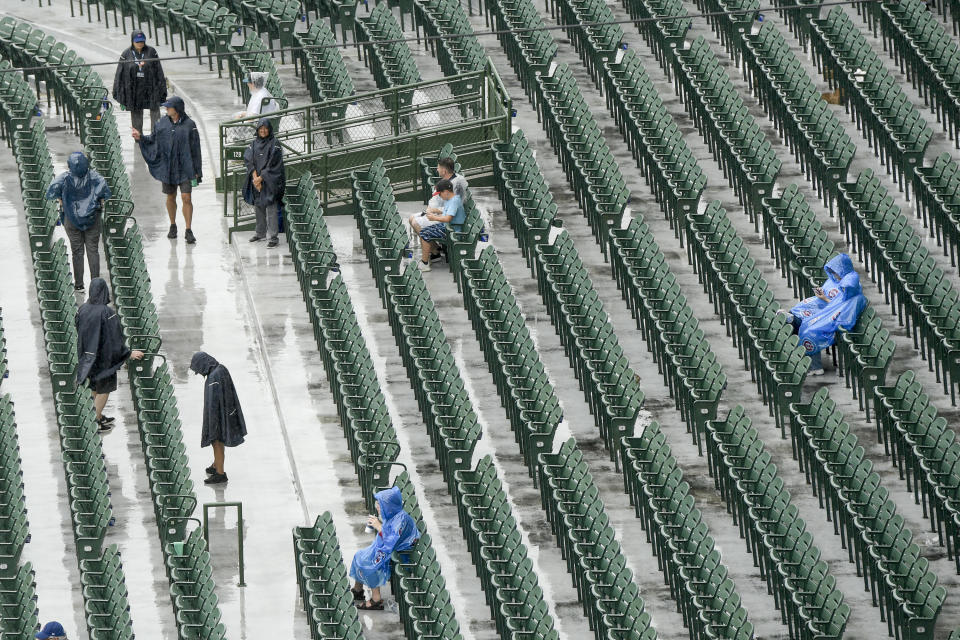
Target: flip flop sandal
pixel 370 605
pixel 358 594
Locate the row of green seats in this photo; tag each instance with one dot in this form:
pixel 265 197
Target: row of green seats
pixel 686 553
pixel 496 546
pixel 891 123
pixel 338 11
pixel 384 50
pixel 777 537
pixel 438 18
pixel 207 22
pixel 276 18
pixel 425 608
pixel 811 129
pixel 324 586
pixel 105 598
pixel 605 586
pixel 485 514
pixel 863 355
pixel 895 572
pixel 18 103
pixel 913 283
pixel 322 64
pixel 733 135
pixel 366 423
pixel 924 448
pixel 597 44
pixel 937 195
pixel 748 307
pixel 190 574
pixel 251 56
pixel 529 47
pixel 587 161
pixel 924 50
pixel 18 607
pixel 663 25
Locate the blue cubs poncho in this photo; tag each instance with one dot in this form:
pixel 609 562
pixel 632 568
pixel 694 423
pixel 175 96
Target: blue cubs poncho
pixel 371 566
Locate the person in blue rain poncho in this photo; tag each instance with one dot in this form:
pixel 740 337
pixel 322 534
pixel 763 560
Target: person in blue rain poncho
pixel 836 268
pixel 818 331
pixel 396 531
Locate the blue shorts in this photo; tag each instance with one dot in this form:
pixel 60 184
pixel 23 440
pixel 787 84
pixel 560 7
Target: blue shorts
pixel 434 232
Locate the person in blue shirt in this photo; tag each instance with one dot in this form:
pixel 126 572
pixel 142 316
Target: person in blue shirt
pixel 453 213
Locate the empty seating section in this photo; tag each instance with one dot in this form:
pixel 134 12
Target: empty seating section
pixel 923 50
pixel 804 589
pixel 459 55
pixel 892 125
pixel 18 607
pixel 529 49
pixel 324 586
pixel 168 469
pixel 912 282
pixel 338 11
pixel 506 573
pixel 937 193
pixel 925 451
pixel 384 50
pixel 894 571
pixel 322 64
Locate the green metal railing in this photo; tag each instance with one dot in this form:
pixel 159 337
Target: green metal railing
pixel 332 139
pixel 206 531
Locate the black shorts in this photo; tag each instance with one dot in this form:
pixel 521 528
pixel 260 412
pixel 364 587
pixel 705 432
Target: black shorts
pixel 104 385
pixel 185 187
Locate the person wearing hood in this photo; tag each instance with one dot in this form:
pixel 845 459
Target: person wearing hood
pixel 818 331
pixel 172 153
pixel 836 268
pixel 139 82
pixel 81 192
pixel 266 181
pixel 396 531
pixel 223 423
pixel 261 101
pixel 100 346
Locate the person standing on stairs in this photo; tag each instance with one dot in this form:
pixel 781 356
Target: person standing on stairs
pixel 139 82
pixel 266 180
pixel 172 153
pixel 223 423
pixel 101 349
pixel 81 192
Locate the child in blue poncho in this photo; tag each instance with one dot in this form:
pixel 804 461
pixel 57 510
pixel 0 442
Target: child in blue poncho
pixel 396 531
pixel 818 331
pixel 836 268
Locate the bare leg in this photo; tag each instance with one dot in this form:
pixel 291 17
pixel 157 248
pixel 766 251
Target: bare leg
pixel 172 207
pixel 414 225
pixel 425 250
pixel 375 595
pixel 187 209
pixel 99 402
pixel 218 456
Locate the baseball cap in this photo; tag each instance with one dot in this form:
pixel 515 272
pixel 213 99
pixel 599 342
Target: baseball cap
pixel 139 37
pixel 51 630
pixel 168 103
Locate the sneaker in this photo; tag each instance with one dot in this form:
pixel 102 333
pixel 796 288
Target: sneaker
pixel 173 232
pixel 272 242
pixel 104 427
pixel 424 266
pixel 189 237
pixel 436 257
pixel 106 419
pixel 257 238
pixel 216 478
pixel 78 287
pixel 211 470
pixel 816 372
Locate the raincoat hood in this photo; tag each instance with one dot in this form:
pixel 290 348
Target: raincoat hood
pixel 390 501
pixel 850 286
pixel 78 164
pixel 265 122
pixel 99 292
pixel 203 363
pixel 840 265
pixel 258 79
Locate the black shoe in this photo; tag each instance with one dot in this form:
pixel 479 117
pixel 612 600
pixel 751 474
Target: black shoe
pixel 104 427
pixel 257 238
pixel 188 236
pixel 272 242
pixel 106 419
pixel 173 232
pixel 216 478
pixel 211 470
pixel 78 287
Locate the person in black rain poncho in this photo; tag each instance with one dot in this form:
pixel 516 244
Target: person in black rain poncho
pixel 139 82
pixel 223 423
pixel 172 153
pixel 266 180
pixel 101 348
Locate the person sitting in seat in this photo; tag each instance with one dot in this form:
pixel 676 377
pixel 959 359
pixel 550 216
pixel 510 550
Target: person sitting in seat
pixel 836 268
pixel 447 171
pixel 818 331
pixel 432 236
pixel 396 531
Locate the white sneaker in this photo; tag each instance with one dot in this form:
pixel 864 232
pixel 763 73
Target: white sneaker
pixel 816 372
pixel 423 266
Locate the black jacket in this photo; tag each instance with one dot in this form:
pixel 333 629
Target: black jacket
pixel 222 418
pixel 265 156
pixel 99 336
pixel 172 150
pixel 134 92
